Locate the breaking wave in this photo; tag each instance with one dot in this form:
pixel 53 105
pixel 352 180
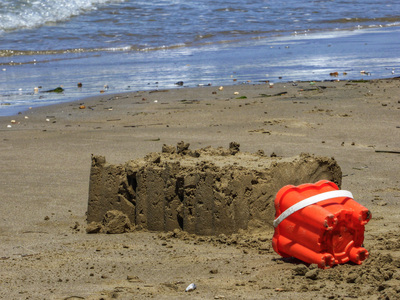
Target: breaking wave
pixel 24 14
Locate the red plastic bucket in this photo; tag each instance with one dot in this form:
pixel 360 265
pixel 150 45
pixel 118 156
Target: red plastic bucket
pixel 319 224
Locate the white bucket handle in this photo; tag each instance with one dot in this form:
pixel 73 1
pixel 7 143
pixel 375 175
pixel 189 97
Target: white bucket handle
pixel 311 200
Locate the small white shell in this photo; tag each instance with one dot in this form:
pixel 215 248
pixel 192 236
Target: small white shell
pixel 191 287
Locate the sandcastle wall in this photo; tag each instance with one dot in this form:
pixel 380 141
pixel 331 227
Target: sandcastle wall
pixel 206 192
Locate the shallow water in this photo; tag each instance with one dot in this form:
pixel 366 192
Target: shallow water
pixel 116 46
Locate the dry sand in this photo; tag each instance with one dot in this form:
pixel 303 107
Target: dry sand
pixel 45 162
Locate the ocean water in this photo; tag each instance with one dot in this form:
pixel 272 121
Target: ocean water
pixel 116 45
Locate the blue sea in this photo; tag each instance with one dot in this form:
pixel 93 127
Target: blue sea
pixel 118 46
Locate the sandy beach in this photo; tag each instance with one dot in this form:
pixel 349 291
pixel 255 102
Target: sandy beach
pixel 45 252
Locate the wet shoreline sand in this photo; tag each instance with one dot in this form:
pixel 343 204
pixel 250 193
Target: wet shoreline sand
pixel 45 165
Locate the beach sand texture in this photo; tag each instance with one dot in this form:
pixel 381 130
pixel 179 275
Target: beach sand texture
pixel 45 252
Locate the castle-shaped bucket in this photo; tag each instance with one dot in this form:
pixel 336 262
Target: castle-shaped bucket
pixel 319 224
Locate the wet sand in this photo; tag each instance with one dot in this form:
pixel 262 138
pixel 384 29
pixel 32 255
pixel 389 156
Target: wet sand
pixel 45 164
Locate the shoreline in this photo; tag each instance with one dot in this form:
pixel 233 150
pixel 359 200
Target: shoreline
pixel 279 60
pixel 46 161
pixel 96 98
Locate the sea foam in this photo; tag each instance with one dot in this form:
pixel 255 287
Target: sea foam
pixel 23 14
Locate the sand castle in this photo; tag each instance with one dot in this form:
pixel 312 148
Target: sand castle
pixel 209 191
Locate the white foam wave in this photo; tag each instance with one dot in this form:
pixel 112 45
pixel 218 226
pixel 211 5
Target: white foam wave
pixel 20 14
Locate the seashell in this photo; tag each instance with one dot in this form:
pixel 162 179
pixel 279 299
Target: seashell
pixel 82 107
pixel 191 287
pixel 221 88
pixel 236 93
